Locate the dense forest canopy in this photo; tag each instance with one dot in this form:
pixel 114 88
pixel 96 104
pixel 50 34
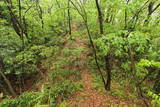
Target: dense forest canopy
pixel 57 52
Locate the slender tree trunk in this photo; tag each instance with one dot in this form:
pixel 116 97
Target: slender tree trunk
pixel 83 14
pixel 100 17
pixel 107 58
pixel 17 26
pixel 8 84
pixel 142 96
pixel 151 10
pixel 41 16
pixel 40 12
pixel 95 54
pixel 131 56
pixel 69 19
pixel 58 4
pixel 108 68
pixel 126 15
pixel 4 90
pixel 157 83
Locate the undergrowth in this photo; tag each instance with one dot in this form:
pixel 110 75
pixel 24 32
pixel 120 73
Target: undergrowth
pixel 117 90
pixel 62 74
pixel 47 97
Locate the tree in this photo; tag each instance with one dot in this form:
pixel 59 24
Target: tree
pixel 100 17
pixel 83 14
pixel 40 12
pixel 8 83
pixel 69 19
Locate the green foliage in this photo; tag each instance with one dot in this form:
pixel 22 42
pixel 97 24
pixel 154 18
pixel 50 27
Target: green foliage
pixel 142 66
pixel 3 11
pixel 139 42
pixel 76 51
pixel 118 44
pixel 64 89
pixel 49 51
pixel 126 34
pixel 68 57
pixel 147 63
pixel 29 58
pixel 155 99
pixel 63 105
pixel 111 43
pixel 62 75
pixel 46 97
pixel 23 100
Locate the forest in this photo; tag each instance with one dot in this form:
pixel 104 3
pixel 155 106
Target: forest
pixel 79 53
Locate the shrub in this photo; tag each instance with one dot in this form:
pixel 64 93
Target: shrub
pixel 46 97
pixel 155 99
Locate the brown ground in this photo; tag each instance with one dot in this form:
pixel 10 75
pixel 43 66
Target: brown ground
pixel 89 96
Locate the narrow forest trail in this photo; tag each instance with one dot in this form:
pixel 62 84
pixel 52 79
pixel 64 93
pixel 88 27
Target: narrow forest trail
pixel 89 96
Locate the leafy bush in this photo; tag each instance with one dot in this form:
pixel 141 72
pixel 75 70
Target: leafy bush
pixel 23 101
pixel 3 11
pixel 155 99
pixel 111 43
pixel 29 58
pixel 64 89
pixel 46 97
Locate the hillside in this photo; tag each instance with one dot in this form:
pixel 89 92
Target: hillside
pixel 79 53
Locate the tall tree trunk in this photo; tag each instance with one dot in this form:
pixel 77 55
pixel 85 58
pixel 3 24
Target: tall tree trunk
pixel 69 19
pixel 157 83
pixel 17 26
pixel 58 4
pixel 133 67
pixel 40 12
pixel 108 68
pixel 8 83
pixel 107 58
pixel 151 10
pixel 17 23
pixel 4 90
pixel 100 17
pixel 95 53
pixel 83 14
pixel 126 15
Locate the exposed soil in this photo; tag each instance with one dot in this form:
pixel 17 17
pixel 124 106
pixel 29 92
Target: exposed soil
pixel 89 96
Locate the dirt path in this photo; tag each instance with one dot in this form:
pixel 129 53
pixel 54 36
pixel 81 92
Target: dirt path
pixel 89 96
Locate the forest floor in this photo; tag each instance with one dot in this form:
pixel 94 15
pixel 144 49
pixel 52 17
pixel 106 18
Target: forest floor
pixel 90 96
